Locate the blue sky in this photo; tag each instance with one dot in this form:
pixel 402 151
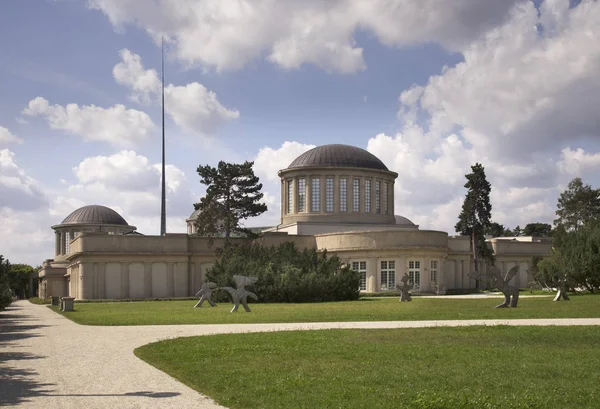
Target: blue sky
pixel 429 87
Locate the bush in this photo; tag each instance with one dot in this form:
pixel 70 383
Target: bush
pixel 285 274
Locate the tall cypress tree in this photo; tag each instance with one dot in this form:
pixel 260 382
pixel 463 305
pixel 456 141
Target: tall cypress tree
pixel 233 194
pixel 475 218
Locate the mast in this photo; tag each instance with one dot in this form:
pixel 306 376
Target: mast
pixel 163 204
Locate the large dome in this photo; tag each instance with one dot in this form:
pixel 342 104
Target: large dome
pixel 95 214
pixel 339 156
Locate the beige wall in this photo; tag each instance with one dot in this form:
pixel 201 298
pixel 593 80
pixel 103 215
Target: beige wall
pixel 103 266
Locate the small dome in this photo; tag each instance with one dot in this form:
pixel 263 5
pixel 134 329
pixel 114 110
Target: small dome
pixel 95 214
pixel 194 215
pixel 403 220
pixel 339 156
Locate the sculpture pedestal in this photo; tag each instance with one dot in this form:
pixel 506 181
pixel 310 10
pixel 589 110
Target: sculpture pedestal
pixel 67 303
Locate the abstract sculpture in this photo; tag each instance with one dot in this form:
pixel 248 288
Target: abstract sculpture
pixel 561 285
pixel 405 288
pixel 240 294
pixel 205 294
pixel 497 280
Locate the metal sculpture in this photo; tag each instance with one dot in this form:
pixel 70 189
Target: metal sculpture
pixel 405 288
pixel 240 294
pixel 561 285
pixel 205 294
pixel 496 279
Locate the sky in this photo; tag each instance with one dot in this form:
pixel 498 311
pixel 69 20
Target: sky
pixel 429 86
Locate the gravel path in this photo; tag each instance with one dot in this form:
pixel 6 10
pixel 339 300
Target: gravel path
pixel 47 360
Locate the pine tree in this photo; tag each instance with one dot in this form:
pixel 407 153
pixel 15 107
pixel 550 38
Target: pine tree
pixel 475 218
pixel 577 205
pixel 233 194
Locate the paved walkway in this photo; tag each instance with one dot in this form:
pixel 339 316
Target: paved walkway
pixel 47 360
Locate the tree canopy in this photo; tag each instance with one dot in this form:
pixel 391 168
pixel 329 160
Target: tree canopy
pixel 577 205
pixel 233 194
pixel 538 229
pixel 5 292
pixel 475 217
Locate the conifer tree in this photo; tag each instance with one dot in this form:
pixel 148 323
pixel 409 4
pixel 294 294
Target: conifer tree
pixel 577 205
pixel 232 195
pixel 475 218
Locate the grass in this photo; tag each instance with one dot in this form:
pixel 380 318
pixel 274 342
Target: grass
pixel 383 309
pixel 475 367
pixel 39 301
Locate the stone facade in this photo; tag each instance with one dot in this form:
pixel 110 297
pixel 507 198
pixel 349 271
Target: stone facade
pixel 335 197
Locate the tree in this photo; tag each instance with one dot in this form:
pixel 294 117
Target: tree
pixel 19 275
pixel 517 232
pixel 498 230
pixel 5 292
pixel 475 218
pixel 538 229
pixel 577 205
pixel 233 194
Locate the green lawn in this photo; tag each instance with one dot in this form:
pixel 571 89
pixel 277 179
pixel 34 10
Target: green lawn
pixel 382 309
pixel 475 367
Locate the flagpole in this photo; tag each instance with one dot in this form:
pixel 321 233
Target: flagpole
pixel 163 221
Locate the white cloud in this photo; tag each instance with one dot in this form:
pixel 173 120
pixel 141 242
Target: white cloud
pixel 528 85
pixel 17 190
pixel 192 107
pixel 196 109
pixel 130 72
pixel 7 137
pixel 132 183
pixel 116 125
pixel 228 34
pixel 576 162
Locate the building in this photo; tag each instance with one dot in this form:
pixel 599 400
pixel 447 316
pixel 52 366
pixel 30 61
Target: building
pixel 334 197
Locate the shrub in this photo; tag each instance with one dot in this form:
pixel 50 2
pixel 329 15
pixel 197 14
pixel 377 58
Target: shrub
pixel 285 274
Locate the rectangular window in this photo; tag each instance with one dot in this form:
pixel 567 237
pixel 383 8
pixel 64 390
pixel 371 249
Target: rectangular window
pixel 343 195
pixel 434 270
pixel 67 242
pixel 290 196
pixel 367 196
pixel 385 198
pixel 378 197
pixel 414 274
pixel 388 275
pixel 361 267
pixel 316 194
pixel 301 195
pixel 329 194
pixel 356 195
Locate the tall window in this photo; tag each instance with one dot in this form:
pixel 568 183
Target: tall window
pixel 356 195
pixel 343 194
pixel 377 197
pixel 361 267
pixel 329 194
pixel 316 194
pixel 67 242
pixel 367 196
pixel 301 195
pixel 434 270
pixel 388 275
pixel 385 197
pixel 290 196
pixel 414 274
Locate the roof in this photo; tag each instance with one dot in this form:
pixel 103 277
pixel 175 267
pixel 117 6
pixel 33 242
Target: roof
pixel 95 214
pixel 403 220
pixel 339 156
